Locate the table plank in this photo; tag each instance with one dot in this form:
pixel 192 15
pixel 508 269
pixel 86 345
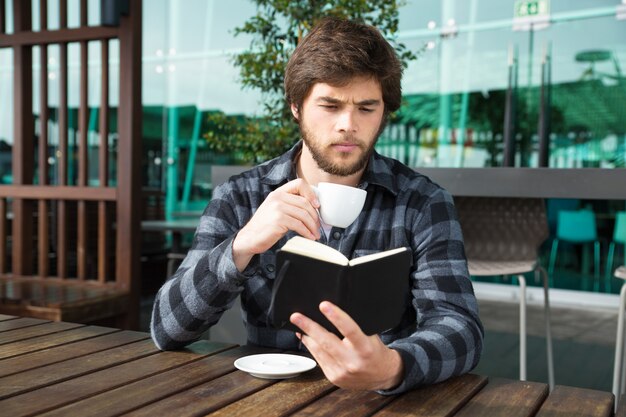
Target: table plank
pixel 4 317
pixel 39 377
pixel 205 398
pixel 34 331
pixel 85 344
pixel 64 369
pixel 346 403
pixel 442 399
pixel 23 347
pixel 577 402
pixel 506 398
pixel 281 398
pixel 155 388
pixel 20 322
pixel 60 394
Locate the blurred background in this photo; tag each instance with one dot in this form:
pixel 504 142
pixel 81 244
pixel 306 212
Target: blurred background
pixel 541 77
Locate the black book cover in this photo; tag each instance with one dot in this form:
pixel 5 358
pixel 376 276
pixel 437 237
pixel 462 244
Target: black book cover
pixel 375 293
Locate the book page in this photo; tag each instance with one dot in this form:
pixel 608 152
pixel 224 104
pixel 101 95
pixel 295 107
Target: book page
pixel 315 250
pixel 374 256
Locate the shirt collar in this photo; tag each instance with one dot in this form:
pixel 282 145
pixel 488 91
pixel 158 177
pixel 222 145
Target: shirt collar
pixel 377 173
pixel 283 168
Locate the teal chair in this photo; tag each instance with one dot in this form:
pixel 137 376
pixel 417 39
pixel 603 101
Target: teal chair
pixel 578 227
pixel 619 237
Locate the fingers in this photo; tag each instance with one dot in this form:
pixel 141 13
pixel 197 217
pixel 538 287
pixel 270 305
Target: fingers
pixel 295 205
pixel 298 193
pixel 321 356
pixel 301 187
pixel 344 364
pixel 290 207
pixel 338 318
pixel 322 344
pixel 308 326
pixel 357 361
pixel 343 322
pixel 299 210
pixel 316 334
pixel 326 340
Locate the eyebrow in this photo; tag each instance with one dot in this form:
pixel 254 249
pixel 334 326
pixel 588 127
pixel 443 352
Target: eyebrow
pixel 332 100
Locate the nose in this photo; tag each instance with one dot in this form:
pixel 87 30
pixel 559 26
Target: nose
pixel 346 121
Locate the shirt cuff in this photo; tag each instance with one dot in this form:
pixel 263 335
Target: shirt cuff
pixel 229 268
pixel 408 362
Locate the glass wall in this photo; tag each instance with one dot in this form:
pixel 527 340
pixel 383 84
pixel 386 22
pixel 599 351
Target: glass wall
pixel 456 92
pixel 455 96
pixel 477 59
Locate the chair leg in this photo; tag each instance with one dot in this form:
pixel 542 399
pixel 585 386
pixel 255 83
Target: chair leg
pixel 619 345
pixel 522 327
pixel 596 264
pixel 584 268
pixel 553 252
pixel 608 272
pixel 170 268
pixel 622 383
pixel 546 307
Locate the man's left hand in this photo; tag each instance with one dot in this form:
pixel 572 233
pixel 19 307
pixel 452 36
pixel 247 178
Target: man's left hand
pixel 357 361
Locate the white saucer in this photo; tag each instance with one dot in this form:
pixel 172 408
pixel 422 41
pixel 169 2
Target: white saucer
pixel 275 365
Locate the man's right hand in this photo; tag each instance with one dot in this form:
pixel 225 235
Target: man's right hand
pixel 290 207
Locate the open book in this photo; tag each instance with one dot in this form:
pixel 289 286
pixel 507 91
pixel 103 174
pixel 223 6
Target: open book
pixel 372 289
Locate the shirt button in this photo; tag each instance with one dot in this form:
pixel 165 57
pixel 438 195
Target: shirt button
pixel 270 267
pixel 336 235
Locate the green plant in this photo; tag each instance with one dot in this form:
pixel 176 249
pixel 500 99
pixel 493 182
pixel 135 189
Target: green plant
pixel 276 29
pixel 247 139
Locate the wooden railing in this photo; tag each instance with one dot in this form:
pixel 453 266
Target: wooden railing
pixel 55 218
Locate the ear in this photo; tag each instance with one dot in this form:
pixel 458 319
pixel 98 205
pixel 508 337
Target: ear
pixel 294 111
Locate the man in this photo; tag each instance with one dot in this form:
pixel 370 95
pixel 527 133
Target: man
pixel 342 82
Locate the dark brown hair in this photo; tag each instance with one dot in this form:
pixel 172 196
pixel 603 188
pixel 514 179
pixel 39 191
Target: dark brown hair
pixel 337 50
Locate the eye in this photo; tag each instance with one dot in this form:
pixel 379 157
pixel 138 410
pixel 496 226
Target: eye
pixel 366 110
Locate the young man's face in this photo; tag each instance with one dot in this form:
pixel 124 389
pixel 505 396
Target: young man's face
pixel 340 125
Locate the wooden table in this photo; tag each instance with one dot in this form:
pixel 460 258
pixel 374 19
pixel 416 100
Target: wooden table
pixel 177 227
pixel 67 369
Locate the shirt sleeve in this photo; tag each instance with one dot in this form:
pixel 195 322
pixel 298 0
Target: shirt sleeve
pixel 448 336
pixel 207 282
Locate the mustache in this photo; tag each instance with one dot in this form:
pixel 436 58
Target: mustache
pixel 350 140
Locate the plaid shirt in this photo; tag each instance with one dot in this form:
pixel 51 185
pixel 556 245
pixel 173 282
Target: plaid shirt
pixel 439 336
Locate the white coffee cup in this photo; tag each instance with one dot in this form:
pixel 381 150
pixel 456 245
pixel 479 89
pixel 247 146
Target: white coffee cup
pixel 340 205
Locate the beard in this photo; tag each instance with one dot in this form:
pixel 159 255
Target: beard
pixel 343 164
